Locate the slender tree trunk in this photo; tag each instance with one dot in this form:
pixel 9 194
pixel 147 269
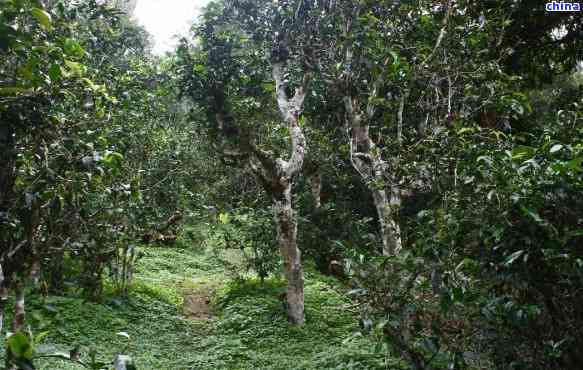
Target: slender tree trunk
pixel 7 176
pixel 276 176
pixel 122 362
pixel 7 166
pixel 31 227
pixel 316 187
pixel 284 172
pixel 57 270
pixel 3 299
pixel 389 227
pixel 19 312
pixel 367 161
pixel 287 230
pixel 17 321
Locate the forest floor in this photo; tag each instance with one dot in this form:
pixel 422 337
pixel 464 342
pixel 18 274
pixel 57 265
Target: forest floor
pixel 183 312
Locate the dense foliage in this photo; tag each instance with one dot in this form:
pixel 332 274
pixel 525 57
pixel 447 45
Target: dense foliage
pixel 429 155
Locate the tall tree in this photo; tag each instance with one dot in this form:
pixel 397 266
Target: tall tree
pixel 235 66
pixel 372 71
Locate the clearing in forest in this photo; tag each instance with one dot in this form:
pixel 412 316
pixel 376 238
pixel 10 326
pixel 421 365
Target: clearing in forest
pixel 184 313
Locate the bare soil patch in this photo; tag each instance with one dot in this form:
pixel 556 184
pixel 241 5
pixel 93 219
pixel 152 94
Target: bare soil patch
pixel 197 303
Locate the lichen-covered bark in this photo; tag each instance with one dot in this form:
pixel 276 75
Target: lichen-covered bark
pixel 390 229
pixel 368 162
pixel 287 230
pixel 19 309
pixel 3 298
pixel 285 219
pixel 17 321
pixel 276 176
pixel 316 188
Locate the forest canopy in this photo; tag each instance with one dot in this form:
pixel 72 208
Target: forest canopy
pixel 300 184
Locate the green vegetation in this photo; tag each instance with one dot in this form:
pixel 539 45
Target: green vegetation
pixel 301 184
pixel 247 328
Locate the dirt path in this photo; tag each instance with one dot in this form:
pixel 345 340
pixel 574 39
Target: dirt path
pixel 197 303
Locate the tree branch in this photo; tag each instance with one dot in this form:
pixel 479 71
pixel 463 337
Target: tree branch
pixel 442 33
pixel 291 110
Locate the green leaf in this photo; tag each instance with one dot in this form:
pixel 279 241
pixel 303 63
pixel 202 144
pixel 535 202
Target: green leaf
pixel 6 34
pixel 73 49
pixel 575 164
pixel 40 336
pixel 555 148
pixel 513 257
pixel 268 87
pixel 395 58
pixel 76 69
pixel 113 160
pixel 224 218
pixel 135 189
pixel 95 88
pixel 523 152
pixel 466 130
pixel 43 18
pixel 55 72
pixel 123 334
pixel 20 346
pixel 532 214
pixel 302 121
pixel 26 72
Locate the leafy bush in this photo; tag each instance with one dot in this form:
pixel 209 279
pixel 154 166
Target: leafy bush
pixel 250 232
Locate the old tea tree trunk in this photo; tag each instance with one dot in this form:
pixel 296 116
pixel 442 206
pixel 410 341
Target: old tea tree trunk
pixel 366 158
pixel 276 176
pixel 285 219
pixel 7 176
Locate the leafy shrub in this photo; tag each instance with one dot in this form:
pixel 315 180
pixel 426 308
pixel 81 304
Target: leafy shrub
pixel 251 233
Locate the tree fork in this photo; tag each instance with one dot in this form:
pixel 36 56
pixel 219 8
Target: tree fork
pixel 285 219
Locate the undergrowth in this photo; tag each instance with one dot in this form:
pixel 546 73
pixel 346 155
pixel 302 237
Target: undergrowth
pixel 248 331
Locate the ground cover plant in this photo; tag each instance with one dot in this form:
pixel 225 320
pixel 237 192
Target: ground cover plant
pixel 297 184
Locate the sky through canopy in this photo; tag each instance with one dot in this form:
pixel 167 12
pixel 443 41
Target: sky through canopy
pixel 164 19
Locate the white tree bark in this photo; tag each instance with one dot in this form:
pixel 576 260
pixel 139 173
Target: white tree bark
pixel 367 160
pixel 287 230
pixel 316 188
pixel 3 298
pixel 276 176
pixel 122 362
pixel 390 229
pixel 285 218
pixel 366 157
pixel 19 309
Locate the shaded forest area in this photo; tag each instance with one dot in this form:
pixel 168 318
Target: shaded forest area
pixel 301 184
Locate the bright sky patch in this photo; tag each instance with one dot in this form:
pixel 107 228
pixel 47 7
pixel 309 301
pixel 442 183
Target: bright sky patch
pixel 164 19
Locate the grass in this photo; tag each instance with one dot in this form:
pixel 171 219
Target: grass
pixel 249 330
